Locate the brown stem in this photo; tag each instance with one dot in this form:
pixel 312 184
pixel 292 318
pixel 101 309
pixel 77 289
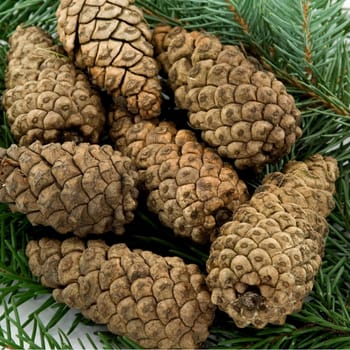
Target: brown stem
pixel 307 48
pixel 298 84
pixel 238 18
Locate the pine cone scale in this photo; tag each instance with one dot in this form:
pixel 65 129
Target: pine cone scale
pixel 113 42
pixel 221 87
pixel 188 183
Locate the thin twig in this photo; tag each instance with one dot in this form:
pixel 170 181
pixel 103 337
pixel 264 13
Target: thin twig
pixel 162 19
pixel 238 18
pixel 307 49
pixel 298 84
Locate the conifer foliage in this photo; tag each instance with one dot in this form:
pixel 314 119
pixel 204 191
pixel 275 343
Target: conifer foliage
pixel 159 112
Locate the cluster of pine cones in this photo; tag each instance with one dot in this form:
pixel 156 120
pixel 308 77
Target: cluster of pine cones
pixel 265 249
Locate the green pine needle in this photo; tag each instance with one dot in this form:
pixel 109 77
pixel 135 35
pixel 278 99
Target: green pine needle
pixel 306 44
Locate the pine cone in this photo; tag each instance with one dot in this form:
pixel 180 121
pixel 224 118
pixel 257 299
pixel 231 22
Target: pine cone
pixel 262 265
pixel 112 40
pixel 73 188
pixel 242 110
pixel 158 302
pixel 28 49
pixel 47 98
pixel 190 188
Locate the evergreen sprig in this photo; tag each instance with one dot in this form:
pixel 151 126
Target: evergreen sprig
pixel 306 44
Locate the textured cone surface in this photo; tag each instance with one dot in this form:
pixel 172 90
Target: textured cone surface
pixel 47 98
pixel 78 188
pixel 243 111
pixel 262 265
pixel 28 49
pixel 160 302
pixel 112 40
pixel 190 188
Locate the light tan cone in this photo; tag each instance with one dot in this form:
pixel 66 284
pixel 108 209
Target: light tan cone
pixel 47 98
pixel 160 302
pixel 263 264
pixel 242 110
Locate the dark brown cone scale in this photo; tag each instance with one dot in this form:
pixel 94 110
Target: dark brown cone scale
pixel 111 39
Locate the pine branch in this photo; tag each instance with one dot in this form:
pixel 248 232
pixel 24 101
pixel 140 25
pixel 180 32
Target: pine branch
pixel 309 52
pixel 30 12
pixel 19 332
pixel 238 18
pixel 303 42
pixel 307 39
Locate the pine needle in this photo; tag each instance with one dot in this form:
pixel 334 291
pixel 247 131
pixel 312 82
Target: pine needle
pixel 306 44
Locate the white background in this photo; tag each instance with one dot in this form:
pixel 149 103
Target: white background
pixel 26 309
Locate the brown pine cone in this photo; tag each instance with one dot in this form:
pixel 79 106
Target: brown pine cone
pixel 242 110
pixel 73 188
pixel 28 49
pixel 190 188
pixel 263 264
pixel 160 302
pixel 112 40
pixel 47 98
